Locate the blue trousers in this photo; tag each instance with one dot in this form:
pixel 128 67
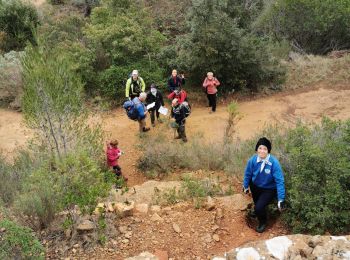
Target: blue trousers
pixel 262 198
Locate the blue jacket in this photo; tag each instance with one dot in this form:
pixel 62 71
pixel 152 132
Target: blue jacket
pixel 270 177
pixel 140 107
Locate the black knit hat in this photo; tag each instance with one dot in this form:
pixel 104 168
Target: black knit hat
pixel 265 142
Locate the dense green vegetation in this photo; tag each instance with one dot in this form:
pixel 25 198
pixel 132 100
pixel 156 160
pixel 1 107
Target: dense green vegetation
pixel 18 20
pixel 314 26
pixel 241 41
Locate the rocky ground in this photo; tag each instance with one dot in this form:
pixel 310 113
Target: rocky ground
pixel 179 232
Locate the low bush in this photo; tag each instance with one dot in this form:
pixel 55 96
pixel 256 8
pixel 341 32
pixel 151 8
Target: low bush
pixel 313 26
pixel 192 189
pixel 11 85
pixel 18 20
pixel 318 177
pixel 18 242
pixel 56 185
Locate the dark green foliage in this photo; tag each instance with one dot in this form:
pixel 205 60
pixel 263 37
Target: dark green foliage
pixel 219 41
pixel 18 242
pixel 318 178
pixel 315 26
pixel 123 37
pixel 114 78
pixel 170 16
pixel 18 21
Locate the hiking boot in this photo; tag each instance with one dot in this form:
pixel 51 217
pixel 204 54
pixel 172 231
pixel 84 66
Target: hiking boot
pixel 177 137
pixel 146 129
pixel 184 139
pixel 261 227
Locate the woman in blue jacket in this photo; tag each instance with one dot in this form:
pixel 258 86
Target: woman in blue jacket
pixel 264 176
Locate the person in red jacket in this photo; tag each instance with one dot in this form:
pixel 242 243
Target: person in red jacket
pixel 210 85
pixel 113 153
pixel 178 93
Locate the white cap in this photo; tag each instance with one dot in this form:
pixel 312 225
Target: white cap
pixel 135 73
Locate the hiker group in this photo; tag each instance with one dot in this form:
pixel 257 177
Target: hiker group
pixel 263 175
pixel 139 102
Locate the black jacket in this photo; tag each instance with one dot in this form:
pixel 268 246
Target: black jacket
pixel 172 85
pixel 158 99
pixel 179 113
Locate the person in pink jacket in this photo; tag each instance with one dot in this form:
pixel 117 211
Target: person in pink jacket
pixel 210 85
pixel 113 153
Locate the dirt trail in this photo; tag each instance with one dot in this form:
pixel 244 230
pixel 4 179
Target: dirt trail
pixel 283 107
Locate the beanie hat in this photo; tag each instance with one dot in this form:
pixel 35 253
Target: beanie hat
pixel 265 142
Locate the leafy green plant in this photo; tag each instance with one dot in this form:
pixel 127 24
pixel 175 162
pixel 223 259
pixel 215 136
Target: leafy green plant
pixel 57 185
pixel 318 178
pixel 18 20
pixel 18 242
pixel 11 85
pixel 218 41
pixel 311 26
pixel 191 188
pixel 52 102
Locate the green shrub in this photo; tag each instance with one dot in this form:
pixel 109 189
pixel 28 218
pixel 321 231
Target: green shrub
pixel 18 20
pixel 13 175
pixel 314 26
pixel 123 37
pixel 39 198
pixel 11 86
pixel 192 189
pixel 113 79
pixel 18 242
pixel 318 178
pixel 78 179
pixel 219 42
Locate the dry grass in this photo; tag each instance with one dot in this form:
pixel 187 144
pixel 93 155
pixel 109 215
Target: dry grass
pixel 310 70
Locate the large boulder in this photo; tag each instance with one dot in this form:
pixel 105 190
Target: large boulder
pixel 234 202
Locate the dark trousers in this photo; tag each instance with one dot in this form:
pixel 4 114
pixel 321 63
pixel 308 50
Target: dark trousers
pixel 117 170
pixel 262 198
pixel 181 130
pixel 154 113
pixel 212 101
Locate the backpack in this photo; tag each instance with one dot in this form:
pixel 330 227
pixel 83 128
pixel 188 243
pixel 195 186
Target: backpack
pixel 187 108
pixel 130 110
